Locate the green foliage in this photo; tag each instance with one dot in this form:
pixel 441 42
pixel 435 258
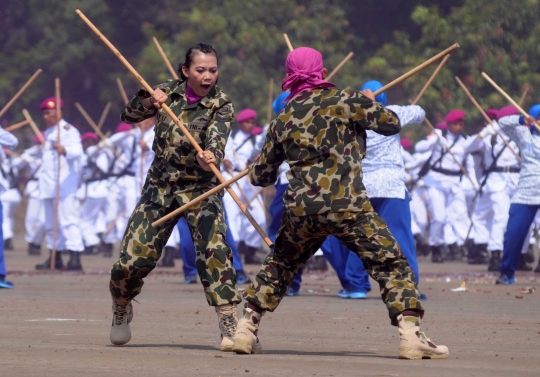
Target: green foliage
pixel 388 37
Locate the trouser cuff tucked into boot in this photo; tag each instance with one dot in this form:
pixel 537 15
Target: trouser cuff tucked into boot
pixel 414 344
pixel 227 320
pixel 245 337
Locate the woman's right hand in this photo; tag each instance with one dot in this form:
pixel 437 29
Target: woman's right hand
pixel 157 99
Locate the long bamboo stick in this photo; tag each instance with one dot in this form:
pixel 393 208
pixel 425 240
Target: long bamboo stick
pixel 201 198
pixel 165 59
pixel 94 126
pixel 339 66
pixel 289 45
pixel 34 126
pixel 524 95
pixel 57 199
pixel 433 75
pixel 104 115
pixel 486 117
pixel 510 99
pixel 270 100
pixel 20 92
pixel 177 121
pixel 16 126
pixel 122 90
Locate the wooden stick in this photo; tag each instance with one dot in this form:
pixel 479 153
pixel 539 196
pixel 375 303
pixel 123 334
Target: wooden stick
pixel 104 115
pixel 242 192
pixel 94 126
pixel 20 92
pixel 270 100
pixel 256 195
pixel 122 90
pixel 414 71
pixel 16 126
pixel 165 59
pixel 339 66
pixel 487 119
pixel 34 127
pixel 57 199
pixel 289 45
pixel 524 95
pixel 510 99
pixel 433 75
pixel 113 223
pixel 178 122
pixel 463 170
pixel 200 198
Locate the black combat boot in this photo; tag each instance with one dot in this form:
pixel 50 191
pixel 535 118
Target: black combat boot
pixel 74 263
pixel 522 265
pixel 495 261
pixel 454 252
pixel 422 248
pixel 436 254
pixel 58 264
pixel 107 248
pixel 167 259
pixel 34 249
pixel 478 254
pixel 8 245
pixel 250 256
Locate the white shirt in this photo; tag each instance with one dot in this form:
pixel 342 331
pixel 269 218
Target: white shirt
pixel 8 141
pixel 528 191
pixel 496 181
pixel 30 159
pixel 239 149
pixel 70 167
pixel 144 160
pixel 384 173
pixel 95 163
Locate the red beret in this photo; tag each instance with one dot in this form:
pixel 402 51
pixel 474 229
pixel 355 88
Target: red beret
pixel 454 116
pixel 50 103
pixel 246 114
pixel 441 126
pixel 123 127
pixel 257 131
pixel 406 143
pixel 492 113
pixel 89 135
pixel 507 110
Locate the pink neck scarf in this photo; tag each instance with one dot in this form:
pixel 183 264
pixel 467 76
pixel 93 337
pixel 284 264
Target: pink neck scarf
pixel 305 68
pixel 191 96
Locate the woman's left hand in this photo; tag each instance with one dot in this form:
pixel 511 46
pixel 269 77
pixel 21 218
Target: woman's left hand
pixel 205 158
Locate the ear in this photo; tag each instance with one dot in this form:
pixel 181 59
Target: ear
pixel 185 71
pixel 324 73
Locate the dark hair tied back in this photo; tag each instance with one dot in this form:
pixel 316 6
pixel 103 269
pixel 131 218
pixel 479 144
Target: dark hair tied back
pixel 199 47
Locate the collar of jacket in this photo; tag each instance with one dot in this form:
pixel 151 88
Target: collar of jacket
pixel 207 101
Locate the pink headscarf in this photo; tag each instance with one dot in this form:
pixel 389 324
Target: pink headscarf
pixel 305 68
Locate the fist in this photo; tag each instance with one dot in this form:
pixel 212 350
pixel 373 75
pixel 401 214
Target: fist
pixel 158 98
pixel 369 94
pixel 205 159
pixel 60 149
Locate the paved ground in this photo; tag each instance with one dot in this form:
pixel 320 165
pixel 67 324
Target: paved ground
pixel 58 325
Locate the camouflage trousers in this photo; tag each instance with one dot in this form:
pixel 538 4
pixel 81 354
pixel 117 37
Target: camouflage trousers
pixel 364 233
pixel 142 246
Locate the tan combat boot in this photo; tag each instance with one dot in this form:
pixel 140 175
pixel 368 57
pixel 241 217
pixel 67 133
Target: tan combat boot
pixel 122 316
pixel 245 337
pixel 227 320
pixel 414 344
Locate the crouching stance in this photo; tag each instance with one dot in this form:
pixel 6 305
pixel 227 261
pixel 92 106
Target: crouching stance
pixel 321 134
pixel 177 175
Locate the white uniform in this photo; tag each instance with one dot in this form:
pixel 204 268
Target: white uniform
pixel 9 141
pixel 238 150
pixel 447 204
pixel 491 212
pixel 419 194
pixel 35 212
pixel 11 198
pixel 94 190
pixel 69 235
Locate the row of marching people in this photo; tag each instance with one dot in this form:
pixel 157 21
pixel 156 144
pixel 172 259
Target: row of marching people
pixel 462 189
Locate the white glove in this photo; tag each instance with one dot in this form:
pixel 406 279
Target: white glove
pixel 441 139
pixel 495 125
pixel 105 143
pixel 487 131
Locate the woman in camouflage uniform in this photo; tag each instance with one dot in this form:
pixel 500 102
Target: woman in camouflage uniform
pixel 321 134
pixel 178 175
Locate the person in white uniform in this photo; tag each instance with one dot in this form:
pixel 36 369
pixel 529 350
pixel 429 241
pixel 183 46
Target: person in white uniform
pixel 446 204
pixel 11 198
pixel 237 154
pixel 498 185
pixel 61 143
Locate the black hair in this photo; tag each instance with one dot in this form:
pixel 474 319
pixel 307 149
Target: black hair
pixel 199 47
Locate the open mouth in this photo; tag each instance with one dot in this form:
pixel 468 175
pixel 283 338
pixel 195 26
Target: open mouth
pixel 205 87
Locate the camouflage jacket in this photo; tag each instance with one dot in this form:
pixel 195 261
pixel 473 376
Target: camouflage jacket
pixel 175 172
pixel 321 134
